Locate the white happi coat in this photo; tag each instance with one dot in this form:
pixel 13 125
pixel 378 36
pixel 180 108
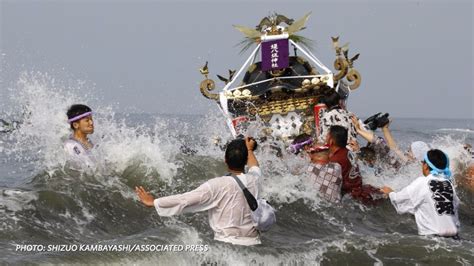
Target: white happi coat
pixel 336 117
pixel 434 203
pixel 79 156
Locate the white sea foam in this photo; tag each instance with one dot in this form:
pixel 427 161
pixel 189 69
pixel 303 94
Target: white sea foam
pixel 119 146
pixel 11 202
pixel 461 130
pixel 40 138
pixel 458 156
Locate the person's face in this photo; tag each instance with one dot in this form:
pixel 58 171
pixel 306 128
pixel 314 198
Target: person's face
pixel 343 104
pixel 85 125
pixel 425 169
pixel 328 139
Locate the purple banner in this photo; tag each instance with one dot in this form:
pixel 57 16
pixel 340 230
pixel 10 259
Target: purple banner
pixel 275 55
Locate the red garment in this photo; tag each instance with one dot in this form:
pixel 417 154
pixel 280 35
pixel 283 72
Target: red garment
pixel 352 180
pixel 348 182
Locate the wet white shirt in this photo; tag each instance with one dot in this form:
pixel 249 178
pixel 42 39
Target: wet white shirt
pixel 228 210
pixel 434 203
pixel 78 154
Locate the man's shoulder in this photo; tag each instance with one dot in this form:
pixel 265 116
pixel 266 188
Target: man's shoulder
pixel 255 171
pixel 340 155
pixel 69 142
pixel 434 182
pixel 418 183
pixel 72 147
pixel 220 182
pixel 219 179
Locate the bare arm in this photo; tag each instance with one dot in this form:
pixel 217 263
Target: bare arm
pixel 199 199
pixel 388 137
pixel 391 142
pixel 252 160
pixel 369 136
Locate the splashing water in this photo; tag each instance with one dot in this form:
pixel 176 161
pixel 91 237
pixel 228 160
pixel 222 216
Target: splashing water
pixel 44 202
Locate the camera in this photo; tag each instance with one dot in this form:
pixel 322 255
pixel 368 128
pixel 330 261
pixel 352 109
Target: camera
pixel 378 120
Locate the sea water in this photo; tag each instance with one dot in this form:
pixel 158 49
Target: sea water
pixel 42 202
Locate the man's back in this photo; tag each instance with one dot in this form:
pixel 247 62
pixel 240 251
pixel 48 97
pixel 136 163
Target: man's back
pixel 229 212
pixel 349 181
pixel 232 215
pixel 434 203
pixel 327 179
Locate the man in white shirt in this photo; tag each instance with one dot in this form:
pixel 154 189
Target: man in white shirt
pixel 431 197
pixel 229 212
pixel 78 146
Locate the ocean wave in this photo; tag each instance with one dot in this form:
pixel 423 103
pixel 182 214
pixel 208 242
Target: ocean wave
pixel 57 205
pixel 461 130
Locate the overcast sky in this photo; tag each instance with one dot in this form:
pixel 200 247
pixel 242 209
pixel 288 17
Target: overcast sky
pixel 416 56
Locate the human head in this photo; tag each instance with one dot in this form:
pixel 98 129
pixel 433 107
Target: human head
pixel 337 136
pixel 343 90
pixel 418 149
pixel 332 99
pixel 300 143
pixel 436 162
pixel 319 153
pixel 80 118
pixel 367 155
pixel 469 150
pixel 236 155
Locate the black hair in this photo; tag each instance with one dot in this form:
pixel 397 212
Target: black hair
pixel 367 153
pixel 438 159
pixel 77 109
pixel 300 139
pixel 339 135
pixel 236 154
pixel 331 99
pixel 343 90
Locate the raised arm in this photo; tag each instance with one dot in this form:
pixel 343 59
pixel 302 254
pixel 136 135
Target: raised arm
pixel 252 160
pixel 388 137
pixel 369 136
pixel 391 142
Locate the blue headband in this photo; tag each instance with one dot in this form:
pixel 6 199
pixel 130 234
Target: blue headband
pixel 435 170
